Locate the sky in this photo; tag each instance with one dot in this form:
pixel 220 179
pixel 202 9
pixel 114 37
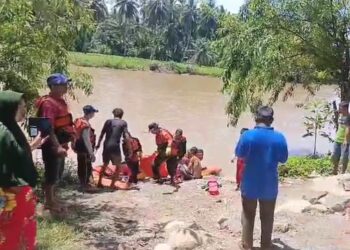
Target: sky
pixel 231 5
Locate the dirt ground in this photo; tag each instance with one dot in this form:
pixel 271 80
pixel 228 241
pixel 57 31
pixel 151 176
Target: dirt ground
pixel 136 219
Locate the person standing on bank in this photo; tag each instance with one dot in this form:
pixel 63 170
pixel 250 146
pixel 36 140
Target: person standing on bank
pixel 85 146
pixel 54 151
pixel 342 139
pixel 113 129
pixel 262 149
pixel 18 176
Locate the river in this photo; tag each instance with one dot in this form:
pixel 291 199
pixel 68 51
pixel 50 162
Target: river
pixel 193 103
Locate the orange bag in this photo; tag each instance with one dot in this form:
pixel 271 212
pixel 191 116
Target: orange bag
pixel 146 166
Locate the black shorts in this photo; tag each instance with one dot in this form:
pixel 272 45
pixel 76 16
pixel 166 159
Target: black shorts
pixel 54 166
pixel 113 155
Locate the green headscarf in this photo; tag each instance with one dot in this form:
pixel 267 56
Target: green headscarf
pixel 23 166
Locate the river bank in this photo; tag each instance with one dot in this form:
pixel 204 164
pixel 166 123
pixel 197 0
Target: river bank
pixel 156 215
pixel 133 63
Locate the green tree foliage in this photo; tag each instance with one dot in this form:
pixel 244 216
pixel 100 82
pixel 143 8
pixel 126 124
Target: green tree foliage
pixel 273 45
pixel 34 40
pixel 170 30
pixel 318 119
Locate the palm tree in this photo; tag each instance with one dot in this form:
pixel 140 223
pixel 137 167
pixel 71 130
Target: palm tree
pixel 173 40
pixel 189 22
pixel 100 9
pixel 208 21
pixel 157 12
pixel 203 54
pixel 127 12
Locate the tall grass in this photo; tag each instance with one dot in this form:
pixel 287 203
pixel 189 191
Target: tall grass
pixel 57 235
pixel 132 63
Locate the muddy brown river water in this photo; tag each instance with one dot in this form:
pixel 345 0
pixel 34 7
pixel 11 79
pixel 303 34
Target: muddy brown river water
pixel 193 103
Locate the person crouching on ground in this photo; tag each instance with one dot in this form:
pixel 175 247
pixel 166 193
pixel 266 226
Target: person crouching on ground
pixel 262 149
pixel 186 172
pixel 164 140
pixel 85 146
pixel 342 139
pixel 54 151
pixel 113 129
pixel 239 166
pixel 132 150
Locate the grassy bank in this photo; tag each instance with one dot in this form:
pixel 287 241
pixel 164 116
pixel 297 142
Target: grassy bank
pixel 131 63
pixel 304 166
pixel 53 235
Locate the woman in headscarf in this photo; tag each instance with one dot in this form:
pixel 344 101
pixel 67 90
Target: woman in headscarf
pixel 18 176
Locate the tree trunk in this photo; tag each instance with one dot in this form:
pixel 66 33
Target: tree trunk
pixel 344 82
pixel 315 141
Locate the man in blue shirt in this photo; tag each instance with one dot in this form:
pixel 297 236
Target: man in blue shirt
pixel 262 149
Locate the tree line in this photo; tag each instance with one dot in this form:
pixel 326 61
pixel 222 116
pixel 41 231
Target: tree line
pixel 167 30
pixel 271 47
pixel 267 49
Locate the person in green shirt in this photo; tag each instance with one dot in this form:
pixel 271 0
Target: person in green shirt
pixel 342 139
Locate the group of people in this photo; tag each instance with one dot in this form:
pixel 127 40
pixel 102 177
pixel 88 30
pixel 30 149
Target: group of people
pixel 19 177
pixel 260 150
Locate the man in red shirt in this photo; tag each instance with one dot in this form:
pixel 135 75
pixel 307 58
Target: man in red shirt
pixel 54 151
pixel 164 141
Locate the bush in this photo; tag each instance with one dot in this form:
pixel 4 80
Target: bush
pixel 154 67
pixel 305 166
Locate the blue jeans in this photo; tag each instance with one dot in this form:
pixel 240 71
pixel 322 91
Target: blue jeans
pixel 340 151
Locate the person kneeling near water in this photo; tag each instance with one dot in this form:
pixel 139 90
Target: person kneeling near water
pixel 113 129
pixel 132 150
pixel 84 147
pixel 164 141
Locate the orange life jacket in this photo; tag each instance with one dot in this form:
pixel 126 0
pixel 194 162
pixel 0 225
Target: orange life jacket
pixel 80 124
pixel 63 121
pixel 164 138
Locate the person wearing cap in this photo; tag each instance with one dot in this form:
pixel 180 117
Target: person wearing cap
pixel 164 142
pixel 342 139
pixel 54 151
pixel 84 147
pixel 262 149
pixel 113 130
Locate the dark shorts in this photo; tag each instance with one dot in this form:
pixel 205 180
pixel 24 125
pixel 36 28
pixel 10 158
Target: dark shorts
pixel 113 155
pixel 54 166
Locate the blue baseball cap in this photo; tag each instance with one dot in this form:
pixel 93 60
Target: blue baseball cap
pixel 88 109
pixel 58 79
